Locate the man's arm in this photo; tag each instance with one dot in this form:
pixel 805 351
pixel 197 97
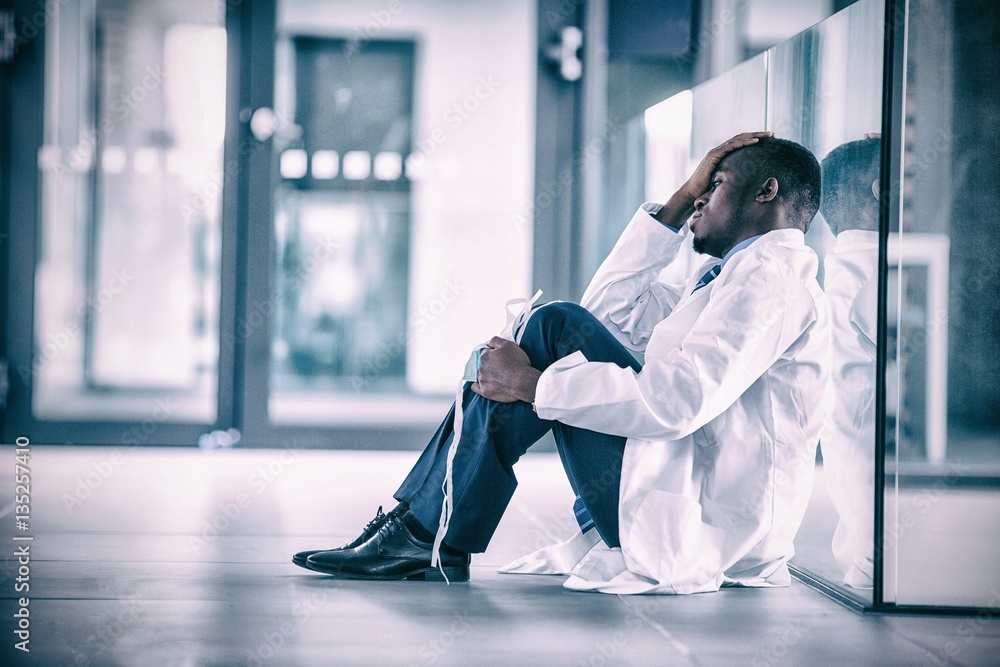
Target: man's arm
pixel 750 323
pixel 623 294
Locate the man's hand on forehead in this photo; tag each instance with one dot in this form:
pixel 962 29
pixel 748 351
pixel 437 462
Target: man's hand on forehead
pixel 701 179
pixel 676 210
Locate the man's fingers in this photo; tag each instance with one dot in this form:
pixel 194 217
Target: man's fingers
pixel 743 140
pixel 752 136
pixel 497 341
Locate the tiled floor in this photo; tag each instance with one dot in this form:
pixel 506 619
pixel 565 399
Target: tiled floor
pixel 181 557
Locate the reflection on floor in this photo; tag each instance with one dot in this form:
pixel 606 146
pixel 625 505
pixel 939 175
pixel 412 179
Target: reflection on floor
pixel 813 551
pixel 944 540
pixel 181 557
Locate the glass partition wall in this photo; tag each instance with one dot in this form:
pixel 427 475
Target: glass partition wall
pixel 942 435
pixel 905 514
pixel 825 92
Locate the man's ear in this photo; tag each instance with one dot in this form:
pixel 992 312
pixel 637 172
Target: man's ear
pixel 768 191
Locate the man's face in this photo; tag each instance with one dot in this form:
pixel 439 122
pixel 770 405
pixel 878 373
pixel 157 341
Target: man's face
pixel 719 221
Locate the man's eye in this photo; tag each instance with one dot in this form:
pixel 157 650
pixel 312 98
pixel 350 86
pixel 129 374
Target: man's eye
pixel 715 184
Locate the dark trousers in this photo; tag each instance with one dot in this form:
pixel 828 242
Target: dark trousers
pixel 495 435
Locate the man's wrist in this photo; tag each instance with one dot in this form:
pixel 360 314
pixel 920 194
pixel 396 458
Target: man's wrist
pixel 674 212
pixel 529 384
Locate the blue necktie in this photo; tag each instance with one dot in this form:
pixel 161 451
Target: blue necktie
pixel 582 515
pixel 708 277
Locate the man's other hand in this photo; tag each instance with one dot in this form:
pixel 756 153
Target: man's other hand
pixel 505 373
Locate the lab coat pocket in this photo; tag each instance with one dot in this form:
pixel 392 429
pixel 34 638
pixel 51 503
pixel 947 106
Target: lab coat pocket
pixel 669 542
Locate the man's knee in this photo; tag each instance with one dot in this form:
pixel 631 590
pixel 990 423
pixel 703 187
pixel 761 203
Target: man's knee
pixel 556 316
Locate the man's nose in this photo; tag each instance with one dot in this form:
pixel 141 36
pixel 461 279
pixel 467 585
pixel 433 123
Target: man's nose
pixel 700 202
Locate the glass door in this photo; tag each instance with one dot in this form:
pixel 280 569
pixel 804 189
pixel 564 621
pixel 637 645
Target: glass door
pixel 388 181
pixel 116 221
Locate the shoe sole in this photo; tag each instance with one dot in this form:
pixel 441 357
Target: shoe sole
pixel 454 574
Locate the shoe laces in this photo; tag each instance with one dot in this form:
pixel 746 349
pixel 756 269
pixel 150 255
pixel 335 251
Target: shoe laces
pixel 378 517
pixel 391 525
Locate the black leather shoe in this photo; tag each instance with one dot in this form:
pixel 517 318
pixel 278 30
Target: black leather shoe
pixel 393 553
pixel 369 531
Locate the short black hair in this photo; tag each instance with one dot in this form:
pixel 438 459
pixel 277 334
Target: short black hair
pixel 797 171
pixel 848 173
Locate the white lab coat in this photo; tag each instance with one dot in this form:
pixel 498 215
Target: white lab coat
pixel 848 441
pixel 722 422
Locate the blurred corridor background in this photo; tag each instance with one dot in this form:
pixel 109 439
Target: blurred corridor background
pixel 299 215
pixel 285 223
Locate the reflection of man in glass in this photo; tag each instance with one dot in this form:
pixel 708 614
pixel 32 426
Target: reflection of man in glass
pixel 693 469
pixel 850 206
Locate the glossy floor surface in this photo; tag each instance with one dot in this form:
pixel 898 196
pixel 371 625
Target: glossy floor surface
pixel 181 557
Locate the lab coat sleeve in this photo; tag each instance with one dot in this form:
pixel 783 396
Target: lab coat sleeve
pixel 864 313
pixel 751 320
pixel 624 294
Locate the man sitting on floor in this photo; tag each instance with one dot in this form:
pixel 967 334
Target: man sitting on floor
pixel 693 467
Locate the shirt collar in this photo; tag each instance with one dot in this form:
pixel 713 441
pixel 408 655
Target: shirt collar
pixel 736 248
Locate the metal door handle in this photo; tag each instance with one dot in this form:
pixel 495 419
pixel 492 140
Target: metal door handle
pixel 565 53
pixel 263 124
